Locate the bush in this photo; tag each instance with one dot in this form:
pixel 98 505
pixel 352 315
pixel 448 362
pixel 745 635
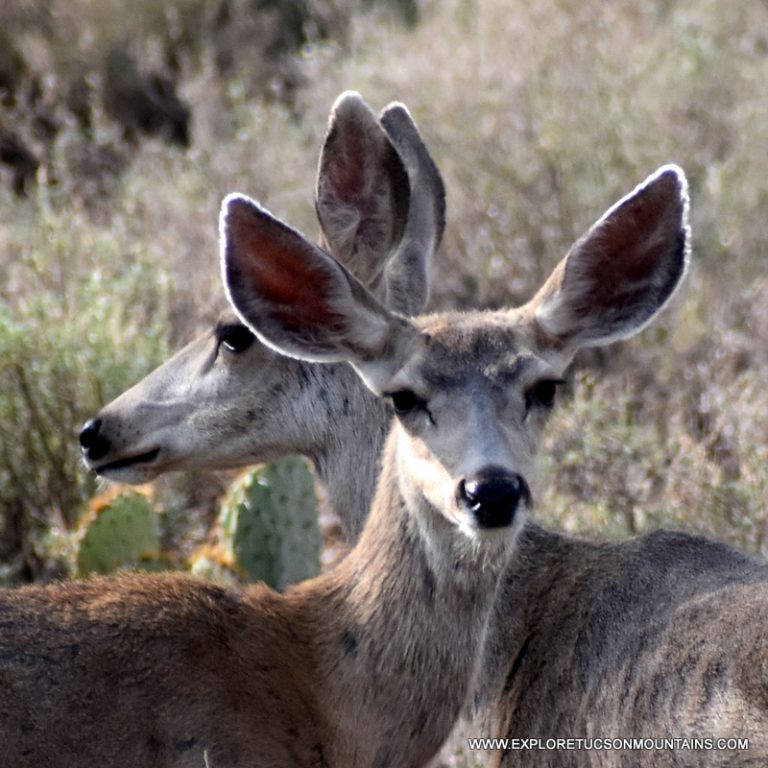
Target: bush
pixel 80 320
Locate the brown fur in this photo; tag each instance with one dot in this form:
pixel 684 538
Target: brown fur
pixel 368 665
pixel 659 636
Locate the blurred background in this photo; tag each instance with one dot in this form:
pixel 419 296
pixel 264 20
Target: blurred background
pixel 123 125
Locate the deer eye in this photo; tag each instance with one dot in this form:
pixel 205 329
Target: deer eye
pixel 405 401
pixel 235 337
pixel 542 393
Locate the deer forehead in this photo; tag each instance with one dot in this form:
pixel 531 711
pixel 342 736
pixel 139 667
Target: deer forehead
pixel 464 349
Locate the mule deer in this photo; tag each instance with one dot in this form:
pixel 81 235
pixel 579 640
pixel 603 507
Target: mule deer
pixel 226 400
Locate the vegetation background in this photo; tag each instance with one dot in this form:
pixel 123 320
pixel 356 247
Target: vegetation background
pixel 121 130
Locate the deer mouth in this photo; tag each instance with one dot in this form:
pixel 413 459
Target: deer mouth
pixel 115 466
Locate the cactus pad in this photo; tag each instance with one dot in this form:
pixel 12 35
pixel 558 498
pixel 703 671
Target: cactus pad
pixel 120 533
pixel 268 522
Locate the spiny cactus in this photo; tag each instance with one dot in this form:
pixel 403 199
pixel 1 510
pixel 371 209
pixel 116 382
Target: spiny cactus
pixel 268 522
pixel 118 532
pixel 214 562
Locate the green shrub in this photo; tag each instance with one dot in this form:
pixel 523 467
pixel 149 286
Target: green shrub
pixel 81 315
pixel 624 456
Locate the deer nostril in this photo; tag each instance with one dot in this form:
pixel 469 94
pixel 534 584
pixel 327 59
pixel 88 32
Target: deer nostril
pixel 493 496
pixel 93 444
pixel 89 432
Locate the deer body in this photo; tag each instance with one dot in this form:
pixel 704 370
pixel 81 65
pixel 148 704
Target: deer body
pixel 658 636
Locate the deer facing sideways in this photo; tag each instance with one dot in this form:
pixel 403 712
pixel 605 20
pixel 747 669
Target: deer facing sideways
pixel 227 400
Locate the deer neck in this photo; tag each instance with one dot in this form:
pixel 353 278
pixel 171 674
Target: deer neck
pixel 346 452
pixel 399 642
pixel 544 560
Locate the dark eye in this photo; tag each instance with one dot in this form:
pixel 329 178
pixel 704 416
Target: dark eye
pixel 542 393
pixel 405 401
pixel 235 337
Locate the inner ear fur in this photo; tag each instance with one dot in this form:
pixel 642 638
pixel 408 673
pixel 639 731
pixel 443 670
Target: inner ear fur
pixel 623 271
pixel 362 193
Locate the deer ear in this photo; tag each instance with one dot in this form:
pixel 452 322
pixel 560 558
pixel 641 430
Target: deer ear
pixel 362 190
pixel 294 296
pixel 407 272
pixel 623 271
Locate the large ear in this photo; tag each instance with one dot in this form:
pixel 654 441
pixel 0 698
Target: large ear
pixel 623 271
pixel 362 190
pixel 407 272
pixel 298 299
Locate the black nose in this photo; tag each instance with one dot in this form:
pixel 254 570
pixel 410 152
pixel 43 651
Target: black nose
pixel 94 445
pixel 493 496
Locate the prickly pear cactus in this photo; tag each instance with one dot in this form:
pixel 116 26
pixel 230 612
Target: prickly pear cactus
pixel 214 562
pixel 268 522
pixel 118 532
